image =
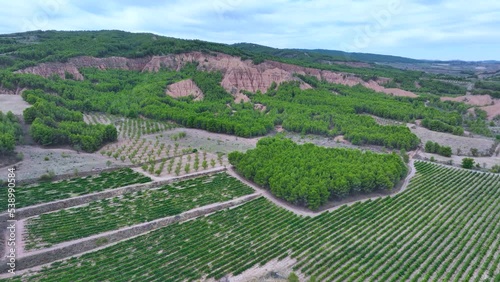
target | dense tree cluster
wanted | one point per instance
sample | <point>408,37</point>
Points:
<point>318,111</point>
<point>435,148</point>
<point>440,87</point>
<point>437,125</point>
<point>487,88</point>
<point>311,175</point>
<point>10,132</point>
<point>54,125</point>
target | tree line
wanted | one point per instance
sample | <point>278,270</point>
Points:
<point>11,133</point>
<point>435,148</point>
<point>53,125</point>
<point>310,175</point>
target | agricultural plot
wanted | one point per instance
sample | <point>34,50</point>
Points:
<point>131,209</point>
<point>52,191</point>
<point>160,159</point>
<point>129,128</point>
<point>444,228</point>
<point>138,151</point>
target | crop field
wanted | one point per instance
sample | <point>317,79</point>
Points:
<point>161,159</point>
<point>129,128</point>
<point>445,227</point>
<point>53,191</point>
<point>136,151</point>
<point>131,209</point>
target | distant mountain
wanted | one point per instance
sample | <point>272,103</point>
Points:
<point>321,54</point>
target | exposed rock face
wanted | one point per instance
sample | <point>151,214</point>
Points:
<point>476,100</point>
<point>184,88</point>
<point>10,91</point>
<point>237,74</point>
<point>72,66</point>
<point>49,69</point>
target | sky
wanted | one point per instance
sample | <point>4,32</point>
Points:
<point>421,29</point>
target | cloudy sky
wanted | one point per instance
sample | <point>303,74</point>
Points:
<point>423,29</point>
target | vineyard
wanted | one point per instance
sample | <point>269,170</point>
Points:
<point>162,160</point>
<point>129,128</point>
<point>445,227</point>
<point>143,206</point>
<point>52,191</point>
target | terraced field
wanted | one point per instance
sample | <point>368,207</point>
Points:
<point>445,227</point>
<point>130,209</point>
<point>53,191</point>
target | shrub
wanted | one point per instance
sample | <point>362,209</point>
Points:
<point>468,163</point>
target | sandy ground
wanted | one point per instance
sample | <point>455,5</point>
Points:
<point>13,103</point>
<point>61,161</point>
<point>185,88</point>
<point>455,142</point>
<point>493,110</point>
<point>275,270</point>
<point>457,160</point>
<point>476,100</point>
<point>207,141</point>
<point>486,102</point>
<point>337,142</point>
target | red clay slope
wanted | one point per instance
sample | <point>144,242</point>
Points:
<point>237,74</point>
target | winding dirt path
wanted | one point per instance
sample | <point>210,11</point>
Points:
<point>306,212</point>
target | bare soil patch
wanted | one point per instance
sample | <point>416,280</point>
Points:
<point>493,110</point>
<point>486,162</point>
<point>485,102</point>
<point>475,100</point>
<point>465,144</point>
<point>337,142</point>
<point>275,270</point>
<point>38,161</point>
<point>241,98</point>
<point>13,103</point>
<point>206,141</point>
<point>185,88</point>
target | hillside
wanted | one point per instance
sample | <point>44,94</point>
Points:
<point>323,55</point>
<point>22,50</point>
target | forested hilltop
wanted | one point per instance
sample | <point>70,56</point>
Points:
<point>310,175</point>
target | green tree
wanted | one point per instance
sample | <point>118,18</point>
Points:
<point>495,169</point>
<point>293,277</point>
<point>468,163</point>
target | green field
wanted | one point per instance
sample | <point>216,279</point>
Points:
<point>132,208</point>
<point>445,227</point>
<point>52,191</point>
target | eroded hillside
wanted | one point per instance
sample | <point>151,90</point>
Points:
<point>238,74</point>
